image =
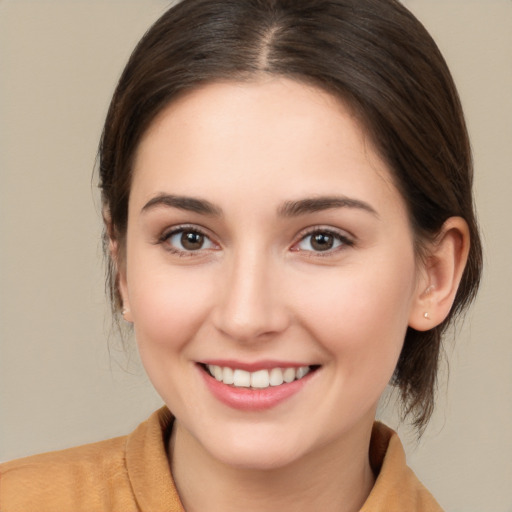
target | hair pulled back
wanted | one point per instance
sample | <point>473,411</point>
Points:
<point>372,54</point>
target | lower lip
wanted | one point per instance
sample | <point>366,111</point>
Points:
<point>250,399</point>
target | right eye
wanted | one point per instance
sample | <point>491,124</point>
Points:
<point>187,240</point>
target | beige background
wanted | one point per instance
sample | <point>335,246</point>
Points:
<point>64,380</point>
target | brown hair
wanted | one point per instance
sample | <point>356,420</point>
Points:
<point>375,56</point>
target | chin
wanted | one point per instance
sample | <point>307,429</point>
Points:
<point>258,448</point>
<point>256,458</point>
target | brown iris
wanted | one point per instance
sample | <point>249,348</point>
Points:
<point>192,241</point>
<point>322,241</point>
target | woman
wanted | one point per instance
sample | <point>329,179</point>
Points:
<point>287,199</point>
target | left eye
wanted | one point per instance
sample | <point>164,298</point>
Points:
<point>321,241</point>
<point>186,240</point>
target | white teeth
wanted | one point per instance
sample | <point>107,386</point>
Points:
<point>241,379</point>
<point>302,371</point>
<point>228,377</point>
<point>217,373</point>
<point>260,379</point>
<point>276,377</point>
<point>289,375</point>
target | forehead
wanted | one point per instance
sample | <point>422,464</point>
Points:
<point>274,137</point>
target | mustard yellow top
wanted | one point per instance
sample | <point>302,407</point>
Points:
<point>131,474</point>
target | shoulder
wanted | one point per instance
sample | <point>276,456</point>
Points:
<point>125,474</point>
<point>83,477</point>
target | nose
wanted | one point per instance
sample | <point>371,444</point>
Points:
<point>249,306</point>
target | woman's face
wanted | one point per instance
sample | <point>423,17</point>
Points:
<point>265,241</point>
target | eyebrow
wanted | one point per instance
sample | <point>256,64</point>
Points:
<point>316,204</point>
<point>288,209</point>
<point>190,204</point>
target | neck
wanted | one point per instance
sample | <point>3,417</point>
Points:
<point>337,477</point>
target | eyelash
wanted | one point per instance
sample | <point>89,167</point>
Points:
<point>166,236</point>
<point>344,241</point>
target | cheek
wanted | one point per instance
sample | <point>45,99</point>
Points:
<point>168,307</point>
<point>360,315</point>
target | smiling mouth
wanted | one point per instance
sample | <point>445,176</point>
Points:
<point>260,379</point>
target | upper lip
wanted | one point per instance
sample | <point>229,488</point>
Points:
<point>253,366</point>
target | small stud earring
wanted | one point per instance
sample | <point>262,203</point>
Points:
<point>124,312</point>
<point>426,315</point>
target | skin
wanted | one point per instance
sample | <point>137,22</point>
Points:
<point>258,290</point>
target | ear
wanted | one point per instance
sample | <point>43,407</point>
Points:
<point>119,268</point>
<point>441,273</point>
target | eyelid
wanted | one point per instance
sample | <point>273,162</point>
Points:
<point>172,230</point>
<point>169,232</point>
<point>346,238</point>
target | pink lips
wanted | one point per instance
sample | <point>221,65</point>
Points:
<point>249,399</point>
